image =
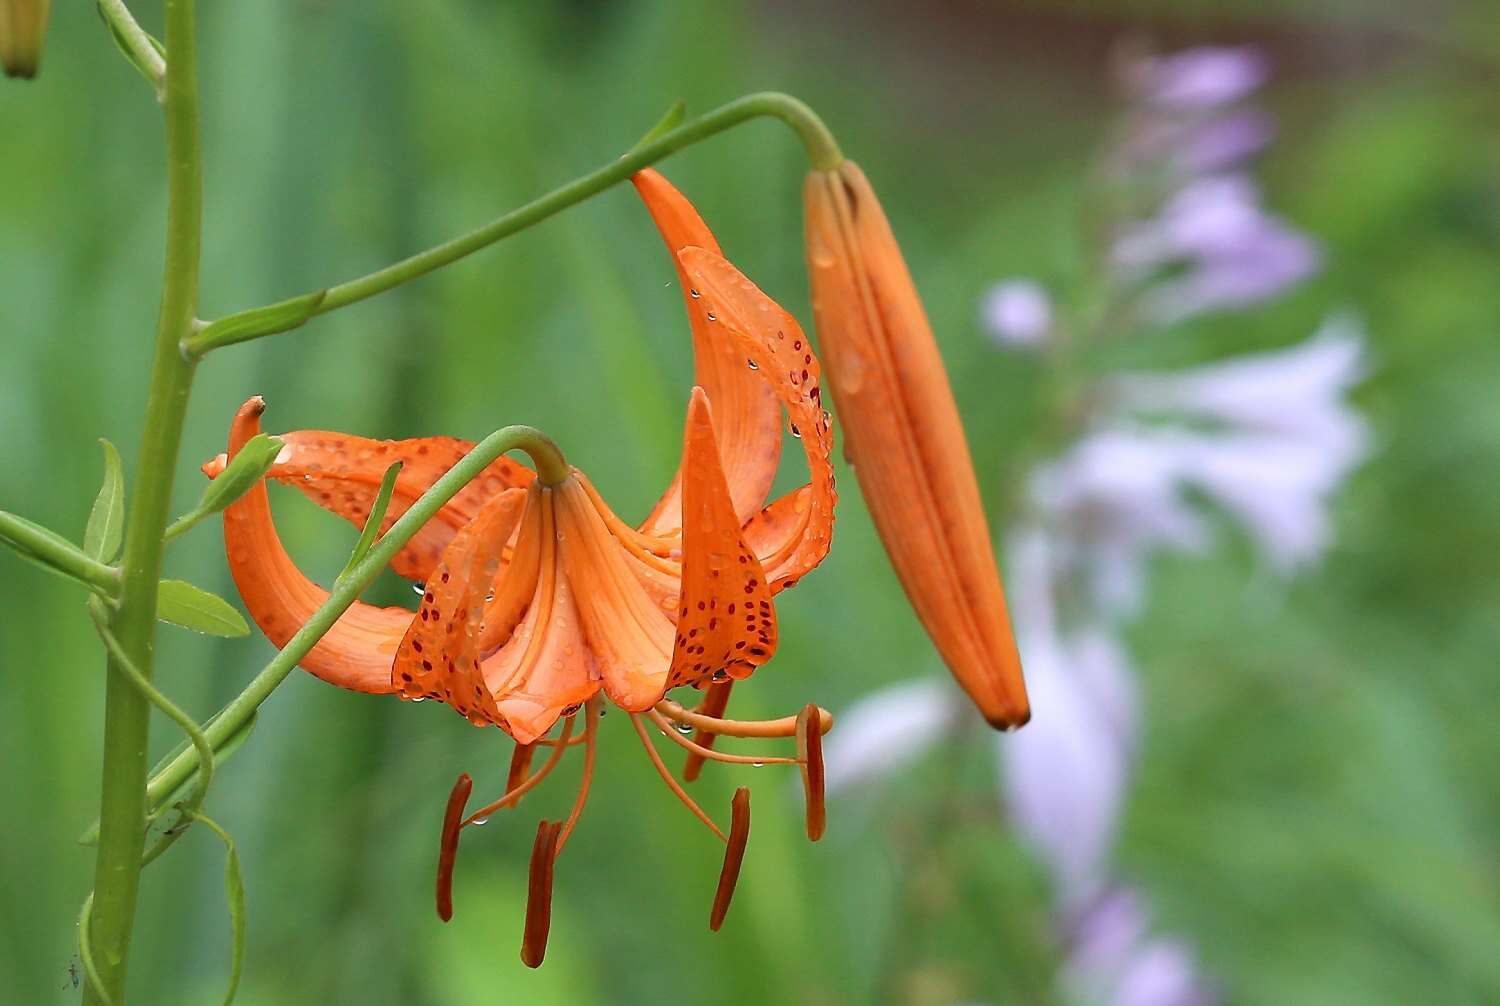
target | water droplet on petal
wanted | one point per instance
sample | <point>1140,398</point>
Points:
<point>419,588</point>
<point>796,432</point>
<point>753,365</point>
<point>419,698</point>
<point>712,316</point>
<point>694,294</point>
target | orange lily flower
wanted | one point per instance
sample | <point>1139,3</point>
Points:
<point>538,598</point>
<point>906,442</point>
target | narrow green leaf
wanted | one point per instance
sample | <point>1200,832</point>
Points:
<point>101,538</point>
<point>282,316</point>
<point>234,894</point>
<point>181,603</point>
<point>373,522</point>
<point>668,122</point>
<point>249,466</point>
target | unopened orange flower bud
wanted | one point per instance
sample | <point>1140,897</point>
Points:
<point>903,435</point>
<point>23,26</point>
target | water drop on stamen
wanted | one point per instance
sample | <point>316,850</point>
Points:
<point>757,764</point>
<point>479,822</point>
<point>684,728</point>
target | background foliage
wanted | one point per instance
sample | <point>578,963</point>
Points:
<point>1318,805</point>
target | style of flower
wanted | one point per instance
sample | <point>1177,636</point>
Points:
<point>903,434</point>
<point>539,601</point>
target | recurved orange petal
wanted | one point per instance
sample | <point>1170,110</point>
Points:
<point>342,473</point>
<point>794,533</point>
<point>745,413</point>
<point>356,653</point>
<point>726,625</point>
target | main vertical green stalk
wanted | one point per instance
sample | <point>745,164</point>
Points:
<point>122,808</point>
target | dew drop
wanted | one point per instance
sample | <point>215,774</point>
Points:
<point>480,821</point>
<point>757,764</point>
<point>489,597</point>
<point>753,365</point>
<point>419,588</point>
<point>796,432</point>
<point>684,728</point>
<point>712,316</point>
<point>694,294</point>
<point>419,698</point>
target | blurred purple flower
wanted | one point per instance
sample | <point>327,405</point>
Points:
<point>1113,959</point>
<point>1231,253</point>
<point>1220,143</point>
<point>1201,78</point>
<point>1017,312</point>
<point>887,730</point>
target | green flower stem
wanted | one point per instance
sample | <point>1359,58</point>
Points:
<point>137,44</point>
<point>822,151</point>
<point>122,807</point>
<point>57,553</point>
<point>237,713</point>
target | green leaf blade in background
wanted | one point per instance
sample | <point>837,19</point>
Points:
<point>102,535</point>
<point>181,603</point>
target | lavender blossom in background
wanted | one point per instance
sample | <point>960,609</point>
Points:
<point>1017,312</point>
<point>1198,79</point>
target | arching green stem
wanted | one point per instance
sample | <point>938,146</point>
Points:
<point>822,151</point>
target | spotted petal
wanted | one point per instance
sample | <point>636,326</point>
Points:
<point>793,534</point>
<point>726,625</point>
<point>746,417</point>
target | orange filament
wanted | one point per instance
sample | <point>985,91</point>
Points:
<point>714,704</point>
<point>550,742</point>
<point>448,846</point>
<point>810,754</point>
<point>539,894</point>
<point>590,735</point>
<point>734,855</point>
<point>672,784</point>
<point>520,764</point>
<point>512,796</point>
<point>700,752</point>
<point>784,727</point>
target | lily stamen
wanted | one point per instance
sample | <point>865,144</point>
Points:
<point>810,754</point>
<point>672,783</point>
<point>734,855</point>
<point>590,736</point>
<point>786,726</point>
<point>699,751</point>
<point>448,845</point>
<point>715,701</point>
<point>539,894</point>
<point>513,795</point>
<point>520,764</point>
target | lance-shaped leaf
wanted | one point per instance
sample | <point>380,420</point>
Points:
<point>101,537</point>
<point>181,603</point>
<point>244,470</point>
<point>234,893</point>
<point>375,521</point>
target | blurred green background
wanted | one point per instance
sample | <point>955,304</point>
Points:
<point>1318,807</point>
